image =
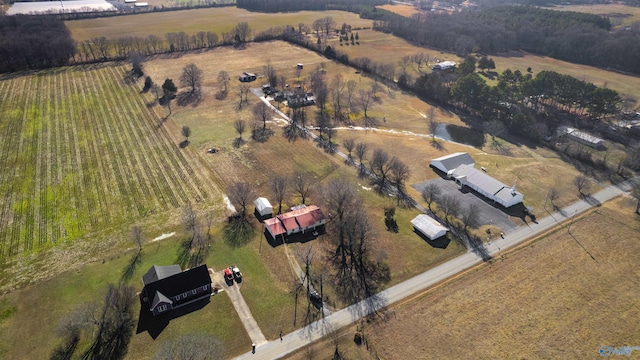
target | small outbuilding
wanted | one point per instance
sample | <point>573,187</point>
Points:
<point>581,137</point>
<point>449,162</point>
<point>247,77</point>
<point>445,65</point>
<point>428,226</point>
<point>263,206</point>
<point>300,66</point>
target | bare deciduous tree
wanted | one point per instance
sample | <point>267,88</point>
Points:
<point>398,173</point>
<point>241,195</point>
<point>261,111</point>
<point>191,77</point>
<point>358,271</point>
<point>223,78</point>
<point>379,165</point>
<point>349,144</point>
<point>430,193</point>
<point>270,73</point>
<point>186,132</point>
<point>365,97</point>
<point>361,153</point>
<point>302,185</point>
<point>241,33</point>
<point>471,216</point>
<point>278,186</point>
<point>450,205</point>
<point>433,123</point>
<point>240,127</point>
<point>582,184</point>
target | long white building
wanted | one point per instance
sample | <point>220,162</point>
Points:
<point>487,186</point>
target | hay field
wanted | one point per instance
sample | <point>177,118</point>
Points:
<point>217,20</point>
<point>400,9</point>
<point>548,299</point>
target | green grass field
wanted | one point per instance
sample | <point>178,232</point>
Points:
<point>82,154</point>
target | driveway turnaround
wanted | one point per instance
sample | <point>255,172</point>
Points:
<point>293,341</point>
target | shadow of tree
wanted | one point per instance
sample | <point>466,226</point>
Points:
<point>221,95</point>
<point>132,265</point>
<point>238,232</point>
<point>186,98</point>
<point>237,142</point>
<point>261,134</point>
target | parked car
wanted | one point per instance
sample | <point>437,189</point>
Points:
<point>236,272</point>
<point>316,299</point>
<point>228,274</point>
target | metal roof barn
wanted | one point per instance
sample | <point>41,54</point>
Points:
<point>58,7</point>
<point>449,162</point>
<point>429,226</point>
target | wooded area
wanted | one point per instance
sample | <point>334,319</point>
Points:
<point>29,42</point>
<point>575,37</point>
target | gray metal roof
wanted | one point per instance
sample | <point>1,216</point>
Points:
<point>483,181</point>
<point>160,272</point>
<point>454,160</point>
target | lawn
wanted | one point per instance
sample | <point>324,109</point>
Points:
<point>547,299</point>
<point>217,20</point>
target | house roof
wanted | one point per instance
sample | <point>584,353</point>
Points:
<point>158,299</point>
<point>428,226</point>
<point>299,218</point>
<point>179,283</point>
<point>485,182</point>
<point>275,226</point>
<point>454,160</point>
<point>160,272</point>
<point>310,218</point>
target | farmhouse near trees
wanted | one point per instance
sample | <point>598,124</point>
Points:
<point>300,220</point>
<point>168,287</point>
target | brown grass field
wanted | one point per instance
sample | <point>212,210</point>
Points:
<point>217,20</point>
<point>212,124</point>
<point>400,9</point>
<point>620,15</point>
<point>547,299</point>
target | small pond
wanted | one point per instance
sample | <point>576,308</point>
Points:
<point>461,135</point>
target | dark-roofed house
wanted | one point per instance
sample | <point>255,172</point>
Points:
<point>486,185</point>
<point>168,287</point>
<point>449,162</point>
<point>299,220</point>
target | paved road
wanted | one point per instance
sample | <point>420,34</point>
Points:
<point>293,341</point>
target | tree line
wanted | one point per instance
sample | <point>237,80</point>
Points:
<point>33,42</point>
<point>299,5</point>
<point>570,36</point>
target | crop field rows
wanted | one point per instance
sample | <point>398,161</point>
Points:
<point>81,152</point>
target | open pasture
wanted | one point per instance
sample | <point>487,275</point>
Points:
<point>217,20</point>
<point>81,153</point>
<point>400,9</point>
<point>548,299</point>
